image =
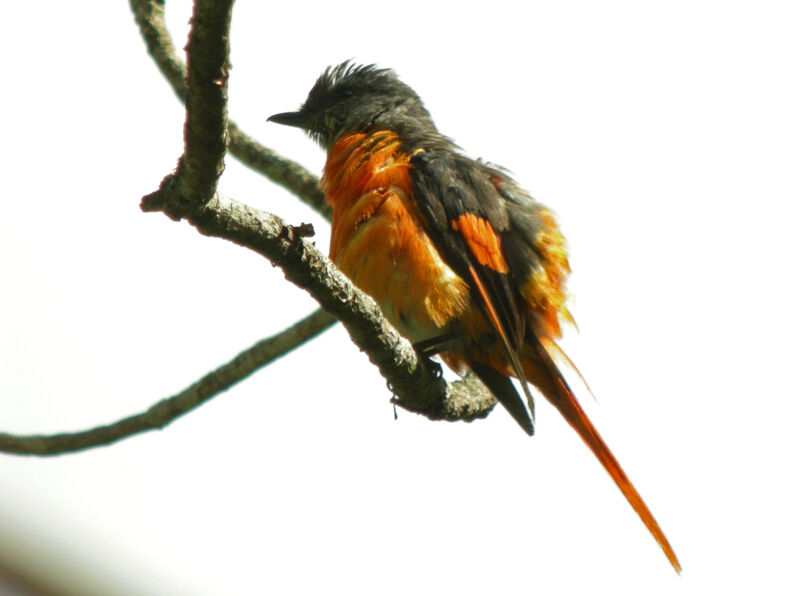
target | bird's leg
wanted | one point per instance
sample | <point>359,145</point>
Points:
<point>425,349</point>
<point>434,345</point>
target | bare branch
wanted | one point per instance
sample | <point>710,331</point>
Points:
<point>205,130</point>
<point>150,18</point>
<point>416,386</point>
<point>167,410</point>
<point>467,399</point>
<point>190,193</point>
<point>285,172</point>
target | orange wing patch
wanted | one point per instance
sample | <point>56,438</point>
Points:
<point>482,241</point>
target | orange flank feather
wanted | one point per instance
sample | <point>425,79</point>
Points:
<point>545,289</point>
<point>482,241</point>
<point>378,240</point>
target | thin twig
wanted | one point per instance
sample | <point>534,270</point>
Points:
<point>167,410</point>
<point>149,16</point>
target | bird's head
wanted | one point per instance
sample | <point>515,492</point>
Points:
<point>358,98</point>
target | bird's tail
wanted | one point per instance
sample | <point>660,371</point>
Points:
<point>541,370</point>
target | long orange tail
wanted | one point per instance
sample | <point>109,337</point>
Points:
<point>542,371</point>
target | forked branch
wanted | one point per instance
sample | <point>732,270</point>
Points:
<point>190,193</point>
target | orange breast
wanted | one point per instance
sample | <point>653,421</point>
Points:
<point>377,237</point>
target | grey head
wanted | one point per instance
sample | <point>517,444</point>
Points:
<point>358,98</point>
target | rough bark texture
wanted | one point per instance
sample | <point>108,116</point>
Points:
<point>284,172</point>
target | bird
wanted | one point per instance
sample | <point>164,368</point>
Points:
<point>460,259</point>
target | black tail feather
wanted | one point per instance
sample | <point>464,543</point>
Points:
<point>505,392</point>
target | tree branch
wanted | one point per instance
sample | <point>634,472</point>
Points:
<point>167,410</point>
<point>149,16</point>
<point>190,193</point>
<point>416,386</point>
<point>284,172</point>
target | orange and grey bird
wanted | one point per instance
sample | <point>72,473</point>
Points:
<point>460,259</point>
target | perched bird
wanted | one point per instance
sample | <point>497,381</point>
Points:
<point>460,259</point>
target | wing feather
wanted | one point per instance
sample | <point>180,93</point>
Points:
<point>466,218</point>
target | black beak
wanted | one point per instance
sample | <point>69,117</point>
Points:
<point>289,119</point>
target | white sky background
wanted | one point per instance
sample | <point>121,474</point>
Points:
<point>666,139</point>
